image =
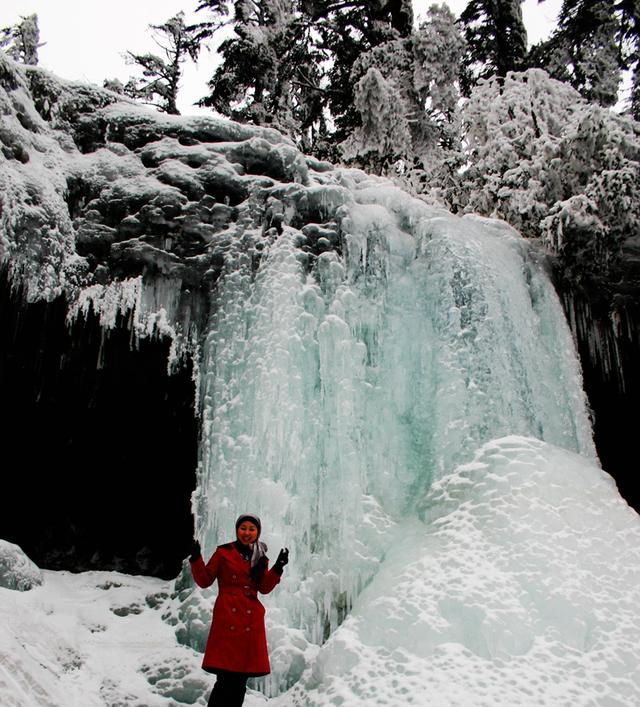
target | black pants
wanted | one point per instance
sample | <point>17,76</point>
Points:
<point>229,690</point>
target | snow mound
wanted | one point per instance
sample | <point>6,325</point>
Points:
<point>17,571</point>
<point>522,587</point>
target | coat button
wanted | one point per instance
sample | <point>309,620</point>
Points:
<point>248,611</point>
<point>247,629</point>
<point>233,576</point>
<point>231,628</point>
<point>246,586</point>
<point>234,609</point>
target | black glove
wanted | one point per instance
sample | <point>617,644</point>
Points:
<point>195,551</point>
<point>283,559</point>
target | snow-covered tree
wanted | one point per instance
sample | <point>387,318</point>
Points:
<point>266,67</point>
<point>586,50</point>
<point>634,99</point>
<point>289,62</point>
<point>383,137</point>
<point>496,40</point>
<point>419,73</point>
<point>22,41</point>
<point>347,30</point>
<point>601,169</point>
<point>553,165</point>
<point>270,71</point>
<point>162,74</point>
<point>438,49</point>
<point>629,42</point>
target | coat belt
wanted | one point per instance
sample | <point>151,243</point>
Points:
<point>239,593</point>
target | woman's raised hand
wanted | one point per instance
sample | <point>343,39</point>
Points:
<point>283,559</point>
<point>195,551</point>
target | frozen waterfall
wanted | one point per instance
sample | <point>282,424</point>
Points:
<point>335,393</point>
<point>393,389</point>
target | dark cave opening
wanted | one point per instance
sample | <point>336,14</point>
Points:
<point>615,411</point>
<point>100,443</point>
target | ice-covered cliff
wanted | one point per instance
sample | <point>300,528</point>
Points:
<point>395,390</point>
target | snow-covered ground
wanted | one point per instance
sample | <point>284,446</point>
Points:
<point>521,587</point>
<point>95,638</point>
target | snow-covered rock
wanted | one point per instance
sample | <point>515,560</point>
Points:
<point>101,198</point>
<point>17,571</point>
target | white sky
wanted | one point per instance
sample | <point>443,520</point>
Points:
<point>85,39</point>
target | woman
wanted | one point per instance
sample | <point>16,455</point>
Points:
<point>237,644</point>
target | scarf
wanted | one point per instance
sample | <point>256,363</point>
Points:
<point>256,554</point>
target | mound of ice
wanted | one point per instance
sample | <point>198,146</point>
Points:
<point>17,571</point>
<point>522,587</point>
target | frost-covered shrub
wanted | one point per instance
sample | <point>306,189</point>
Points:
<point>61,102</point>
<point>17,571</point>
<point>552,165</point>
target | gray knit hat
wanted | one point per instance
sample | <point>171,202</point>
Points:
<point>251,517</point>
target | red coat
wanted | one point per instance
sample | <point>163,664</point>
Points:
<point>237,639</point>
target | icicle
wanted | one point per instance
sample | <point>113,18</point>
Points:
<point>153,308</point>
<point>603,337</point>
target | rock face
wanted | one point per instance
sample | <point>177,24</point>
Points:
<point>17,571</point>
<point>97,190</point>
<point>604,317</point>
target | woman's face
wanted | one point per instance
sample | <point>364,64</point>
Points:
<point>247,532</point>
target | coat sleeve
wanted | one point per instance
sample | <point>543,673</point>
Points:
<point>268,581</point>
<point>205,575</point>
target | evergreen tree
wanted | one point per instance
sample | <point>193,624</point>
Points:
<point>587,48</point>
<point>22,41</point>
<point>634,99</point>
<point>496,40</point>
<point>383,81</point>
<point>270,70</point>
<point>629,42</point>
<point>347,30</point>
<point>420,73</point>
<point>553,165</point>
<point>383,137</point>
<point>161,81</point>
<point>289,63</point>
<point>438,50</point>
